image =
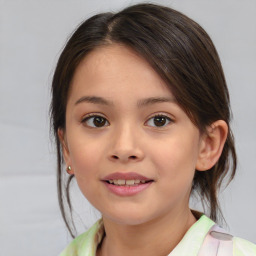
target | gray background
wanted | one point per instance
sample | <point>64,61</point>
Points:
<point>32,34</point>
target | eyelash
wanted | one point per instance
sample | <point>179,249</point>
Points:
<point>91,116</point>
<point>167,119</point>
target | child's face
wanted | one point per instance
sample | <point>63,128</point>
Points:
<point>115,84</point>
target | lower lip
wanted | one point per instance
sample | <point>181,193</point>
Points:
<point>127,190</point>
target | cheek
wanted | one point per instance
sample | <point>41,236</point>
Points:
<point>175,168</point>
<point>176,159</point>
<point>84,157</point>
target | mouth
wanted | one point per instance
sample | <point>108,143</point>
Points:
<point>126,179</point>
<point>126,184</point>
<point>121,182</point>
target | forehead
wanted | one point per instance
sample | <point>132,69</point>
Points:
<point>117,68</point>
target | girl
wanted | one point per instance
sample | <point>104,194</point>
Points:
<point>140,112</point>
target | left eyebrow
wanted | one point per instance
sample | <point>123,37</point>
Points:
<point>154,100</point>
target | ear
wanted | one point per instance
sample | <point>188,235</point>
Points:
<point>211,145</point>
<point>65,150</point>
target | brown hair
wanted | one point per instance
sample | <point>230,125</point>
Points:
<point>182,53</point>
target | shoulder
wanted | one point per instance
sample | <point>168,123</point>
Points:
<point>230,245</point>
<point>221,243</point>
<point>242,247</point>
<point>86,243</point>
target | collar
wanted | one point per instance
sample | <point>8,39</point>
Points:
<point>192,241</point>
<point>87,243</point>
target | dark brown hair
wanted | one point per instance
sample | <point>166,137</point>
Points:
<point>182,53</point>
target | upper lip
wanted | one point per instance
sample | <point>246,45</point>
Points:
<point>125,176</point>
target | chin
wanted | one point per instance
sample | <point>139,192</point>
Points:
<point>127,217</point>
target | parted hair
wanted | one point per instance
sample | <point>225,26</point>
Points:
<point>182,54</point>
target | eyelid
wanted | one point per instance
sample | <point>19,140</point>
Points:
<point>88,116</point>
<point>161,114</point>
<point>91,115</point>
<point>167,116</point>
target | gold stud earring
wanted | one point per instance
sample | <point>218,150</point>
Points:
<point>69,169</point>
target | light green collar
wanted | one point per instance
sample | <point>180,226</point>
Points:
<point>193,239</point>
<point>87,243</point>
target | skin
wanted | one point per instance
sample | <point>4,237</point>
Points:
<point>130,141</point>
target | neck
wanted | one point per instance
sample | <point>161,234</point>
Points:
<point>160,236</point>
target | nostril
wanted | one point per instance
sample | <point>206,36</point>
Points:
<point>130,157</point>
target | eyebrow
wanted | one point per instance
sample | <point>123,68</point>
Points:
<point>94,100</point>
<point>141,103</point>
<point>154,100</point>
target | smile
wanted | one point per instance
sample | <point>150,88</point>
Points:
<point>126,182</point>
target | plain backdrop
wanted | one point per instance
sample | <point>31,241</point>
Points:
<point>32,34</point>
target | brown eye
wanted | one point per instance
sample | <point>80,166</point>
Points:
<point>95,121</point>
<point>159,121</point>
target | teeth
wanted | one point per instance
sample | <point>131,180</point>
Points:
<point>130,182</point>
<point>126,182</point>
<point>120,182</point>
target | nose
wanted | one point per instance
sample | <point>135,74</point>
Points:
<point>125,146</point>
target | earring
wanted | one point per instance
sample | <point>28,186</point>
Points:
<point>69,169</point>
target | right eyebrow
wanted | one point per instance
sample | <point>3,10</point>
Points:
<point>95,100</point>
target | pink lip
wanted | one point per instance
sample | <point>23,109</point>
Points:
<point>125,176</point>
<point>126,190</point>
